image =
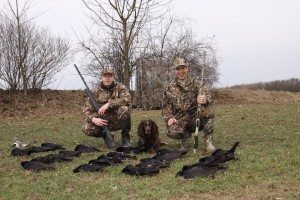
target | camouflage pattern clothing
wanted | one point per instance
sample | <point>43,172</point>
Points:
<point>180,102</point>
<point>119,100</point>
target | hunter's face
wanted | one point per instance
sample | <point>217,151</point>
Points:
<point>181,72</point>
<point>107,79</point>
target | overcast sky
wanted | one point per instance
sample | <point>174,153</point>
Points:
<point>257,40</point>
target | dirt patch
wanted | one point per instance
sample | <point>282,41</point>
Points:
<point>233,96</point>
<point>69,102</point>
<point>41,103</point>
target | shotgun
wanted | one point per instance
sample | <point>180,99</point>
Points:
<point>110,142</point>
<point>201,91</point>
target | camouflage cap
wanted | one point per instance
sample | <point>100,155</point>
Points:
<point>179,62</point>
<point>107,70</point>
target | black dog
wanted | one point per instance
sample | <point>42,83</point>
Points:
<point>148,136</point>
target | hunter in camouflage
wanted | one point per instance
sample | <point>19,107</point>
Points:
<point>114,100</point>
<point>180,107</point>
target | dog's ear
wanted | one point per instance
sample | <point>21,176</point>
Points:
<point>141,128</point>
<point>154,127</point>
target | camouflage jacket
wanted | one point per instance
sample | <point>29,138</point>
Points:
<point>182,99</point>
<point>117,95</point>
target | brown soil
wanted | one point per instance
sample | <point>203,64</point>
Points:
<point>52,102</point>
<point>41,103</point>
<point>235,96</point>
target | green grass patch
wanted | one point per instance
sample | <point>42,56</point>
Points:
<point>268,165</point>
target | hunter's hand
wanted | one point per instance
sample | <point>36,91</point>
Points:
<point>201,99</point>
<point>99,122</point>
<point>172,121</point>
<point>103,108</point>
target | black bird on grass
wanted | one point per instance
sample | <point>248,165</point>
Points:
<point>199,170</point>
<point>111,159</point>
<point>86,149</point>
<point>30,150</point>
<point>53,146</point>
<point>169,155</point>
<point>20,152</point>
<point>102,162</point>
<point>36,166</point>
<point>88,168</point>
<point>121,155</point>
<point>36,149</point>
<point>51,158</point>
<point>151,161</point>
<point>135,150</point>
<point>70,153</point>
<point>221,155</point>
<point>141,170</point>
<point>207,166</point>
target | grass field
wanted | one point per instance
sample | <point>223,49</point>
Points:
<point>268,165</point>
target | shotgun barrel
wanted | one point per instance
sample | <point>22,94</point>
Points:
<point>201,91</point>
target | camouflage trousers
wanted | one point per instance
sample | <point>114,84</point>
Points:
<point>113,116</point>
<point>187,124</point>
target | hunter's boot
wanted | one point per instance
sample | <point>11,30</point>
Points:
<point>108,138</point>
<point>208,146</point>
<point>125,129</point>
<point>109,141</point>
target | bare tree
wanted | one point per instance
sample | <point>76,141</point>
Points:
<point>143,47</point>
<point>30,56</point>
<point>172,38</point>
<point>120,22</point>
<point>8,66</point>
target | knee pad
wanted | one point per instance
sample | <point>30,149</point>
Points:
<point>175,132</point>
<point>123,113</point>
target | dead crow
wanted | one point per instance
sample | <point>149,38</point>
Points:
<point>135,150</point>
<point>102,162</point>
<point>53,146</point>
<point>141,171</point>
<point>88,168</point>
<point>36,149</point>
<point>86,149</point>
<point>111,159</point>
<point>208,165</point>
<point>30,150</point>
<point>221,155</point>
<point>36,166</point>
<point>51,158</point>
<point>68,153</point>
<point>199,170</point>
<point>169,155</point>
<point>171,151</point>
<point>150,161</point>
<point>20,152</point>
<point>121,155</point>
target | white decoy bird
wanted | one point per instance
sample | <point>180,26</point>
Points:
<point>19,145</point>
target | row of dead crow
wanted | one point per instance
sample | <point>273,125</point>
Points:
<point>205,167</point>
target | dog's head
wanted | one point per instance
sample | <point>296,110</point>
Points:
<point>147,128</point>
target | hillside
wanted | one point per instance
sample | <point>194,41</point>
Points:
<point>70,102</point>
